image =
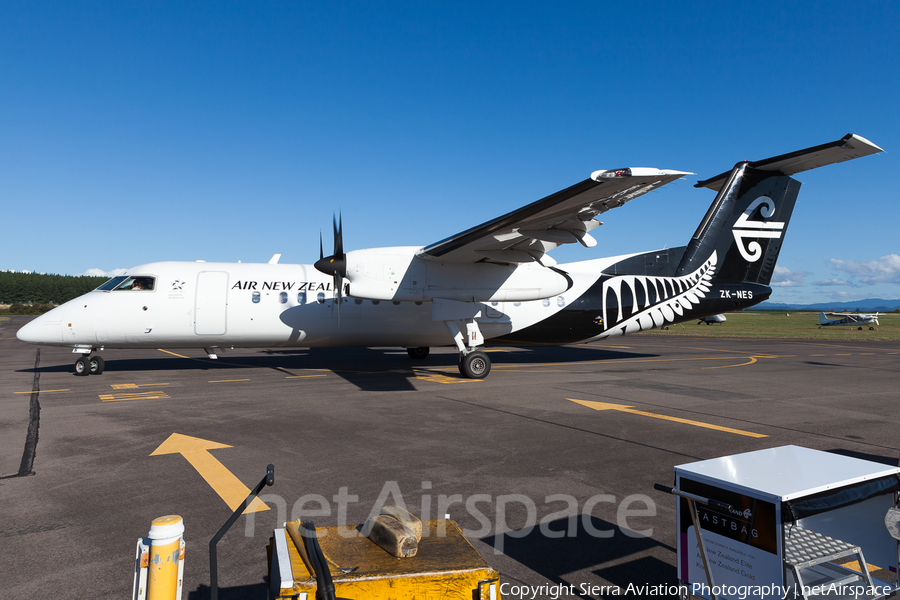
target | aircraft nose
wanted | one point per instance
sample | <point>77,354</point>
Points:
<point>42,330</point>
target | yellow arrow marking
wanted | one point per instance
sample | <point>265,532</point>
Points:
<point>628,409</point>
<point>172,353</point>
<point>222,481</point>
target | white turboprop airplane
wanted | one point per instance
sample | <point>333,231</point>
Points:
<point>494,282</point>
<point>849,319</point>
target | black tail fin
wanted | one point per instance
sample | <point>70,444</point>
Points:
<point>744,228</point>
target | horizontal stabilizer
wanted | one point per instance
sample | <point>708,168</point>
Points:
<point>848,147</point>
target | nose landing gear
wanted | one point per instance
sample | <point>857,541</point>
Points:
<point>89,365</point>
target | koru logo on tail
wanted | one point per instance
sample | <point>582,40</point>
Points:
<point>745,228</point>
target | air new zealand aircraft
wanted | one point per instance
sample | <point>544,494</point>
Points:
<point>492,284</point>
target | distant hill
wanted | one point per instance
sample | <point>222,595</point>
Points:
<point>868,305</point>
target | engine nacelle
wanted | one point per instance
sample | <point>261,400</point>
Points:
<point>398,274</point>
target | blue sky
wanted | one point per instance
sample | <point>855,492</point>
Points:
<point>134,132</point>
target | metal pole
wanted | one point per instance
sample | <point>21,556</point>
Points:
<point>691,498</point>
<point>269,479</point>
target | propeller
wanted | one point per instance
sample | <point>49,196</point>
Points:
<point>336,264</point>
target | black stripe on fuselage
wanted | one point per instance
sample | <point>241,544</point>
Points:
<point>582,318</point>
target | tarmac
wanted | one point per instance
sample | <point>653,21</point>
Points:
<point>550,491</point>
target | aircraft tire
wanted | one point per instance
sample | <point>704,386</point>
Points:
<point>82,367</point>
<point>419,353</point>
<point>97,364</point>
<point>475,365</point>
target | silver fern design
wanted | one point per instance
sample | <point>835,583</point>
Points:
<point>654,301</point>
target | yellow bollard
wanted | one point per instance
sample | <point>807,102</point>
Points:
<point>166,566</point>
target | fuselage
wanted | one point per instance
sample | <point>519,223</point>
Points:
<point>220,305</point>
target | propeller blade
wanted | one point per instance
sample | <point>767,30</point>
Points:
<point>338,237</point>
<point>321,251</point>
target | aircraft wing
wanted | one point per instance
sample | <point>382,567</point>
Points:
<point>526,234</point>
<point>848,147</point>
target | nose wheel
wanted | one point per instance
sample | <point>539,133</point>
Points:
<point>89,365</point>
<point>474,365</point>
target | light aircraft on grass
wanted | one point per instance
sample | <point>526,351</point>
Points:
<point>712,319</point>
<point>492,283</point>
<point>848,319</point>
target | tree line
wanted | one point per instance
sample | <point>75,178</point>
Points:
<point>30,289</point>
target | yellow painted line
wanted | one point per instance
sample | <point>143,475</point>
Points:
<point>628,409</point>
<point>640,360</point>
<point>843,354</point>
<point>219,478</point>
<point>132,386</point>
<point>749,362</point>
<point>302,376</point>
<point>137,396</point>
<point>228,380</point>
<point>853,565</point>
<point>172,353</point>
<point>445,379</point>
<point>43,391</point>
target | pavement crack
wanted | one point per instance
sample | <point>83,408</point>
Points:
<point>34,422</point>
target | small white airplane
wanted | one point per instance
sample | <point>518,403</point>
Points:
<point>848,319</point>
<point>494,282</point>
<point>720,318</point>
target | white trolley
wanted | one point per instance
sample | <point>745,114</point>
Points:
<point>789,522</point>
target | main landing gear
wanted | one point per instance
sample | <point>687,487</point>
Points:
<point>474,365</point>
<point>89,365</point>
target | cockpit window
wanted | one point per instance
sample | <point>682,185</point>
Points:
<point>137,283</point>
<point>112,283</point>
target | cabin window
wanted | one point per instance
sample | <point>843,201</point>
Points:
<point>357,301</point>
<point>136,283</point>
<point>301,297</point>
<point>517,304</point>
<point>255,297</point>
<point>282,297</point>
<point>560,301</point>
<point>320,297</point>
<point>376,302</point>
<point>546,302</point>
<point>112,283</point>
